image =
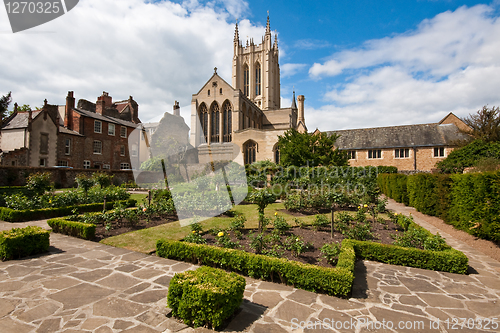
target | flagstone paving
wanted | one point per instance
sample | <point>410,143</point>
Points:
<point>82,286</point>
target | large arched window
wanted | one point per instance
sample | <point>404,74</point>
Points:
<point>257,79</point>
<point>203,116</point>
<point>246,80</point>
<point>227,121</point>
<point>250,152</point>
<point>215,115</point>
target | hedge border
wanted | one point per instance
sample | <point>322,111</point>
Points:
<point>22,242</point>
<point>336,281</point>
<point>72,228</point>
<point>331,281</point>
<point>12,215</point>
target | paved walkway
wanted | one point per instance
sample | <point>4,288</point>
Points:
<point>82,286</point>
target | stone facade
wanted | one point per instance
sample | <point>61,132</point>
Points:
<point>242,121</point>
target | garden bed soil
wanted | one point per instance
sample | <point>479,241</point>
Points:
<point>383,233</point>
<point>118,228</point>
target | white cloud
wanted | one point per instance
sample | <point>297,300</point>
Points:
<point>311,44</point>
<point>158,52</point>
<point>291,69</point>
<point>450,63</point>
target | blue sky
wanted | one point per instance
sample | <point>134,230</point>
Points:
<point>359,63</point>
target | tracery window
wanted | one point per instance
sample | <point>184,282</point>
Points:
<point>215,115</point>
<point>227,121</point>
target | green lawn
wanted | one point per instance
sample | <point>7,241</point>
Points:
<point>139,197</point>
<point>145,240</point>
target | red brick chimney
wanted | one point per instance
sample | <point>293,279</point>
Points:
<point>68,113</point>
<point>103,102</point>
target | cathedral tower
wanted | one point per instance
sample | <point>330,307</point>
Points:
<point>256,70</point>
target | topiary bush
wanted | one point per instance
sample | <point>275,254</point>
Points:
<point>206,296</point>
<point>22,242</point>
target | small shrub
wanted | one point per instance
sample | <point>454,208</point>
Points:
<point>72,228</point>
<point>22,242</point>
<point>320,221</point>
<point>330,252</point>
<point>342,222</point>
<point>257,242</point>
<point>301,224</point>
<point>206,296</point>
<point>84,182</point>
<point>296,245</point>
<point>359,231</point>
<point>280,224</point>
<point>223,240</point>
<point>102,178</point>
<point>39,182</point>
<point>238,223</point>
<point>195,237</point>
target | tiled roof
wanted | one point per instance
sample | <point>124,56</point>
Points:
<point>98,116</point>
<point>20,120</point>
<point>424,135</point>
<point>65,130</point>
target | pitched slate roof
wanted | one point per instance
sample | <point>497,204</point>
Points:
<point>424,135</point>
<point>65,130</point>
<point>98,116</point>
<point>20,120</point>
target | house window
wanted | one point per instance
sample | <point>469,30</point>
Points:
<point>111,129</point>
<point>62,163</point>
<point>402,153</point>
<point>105,166</point>
<point>375,153</point>
<point>13,163</point>
<point>123,132</point>
<point>134,150</point>
<point>351,154</point>
<point>122,150</point>
<point>43,162</point>
<point>44,144</point>
<point>124,166</point>
<point>97,147</point>
<point>86,164</point>
<point>67,146</point>
<point>439,152</point>
<point>97,126</point>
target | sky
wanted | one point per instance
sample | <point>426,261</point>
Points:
<point>359,63</point>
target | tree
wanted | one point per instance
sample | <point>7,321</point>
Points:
<point>301,149</point>
<point>470,155</point>
<point>4,105</point>
<point>484,124</point>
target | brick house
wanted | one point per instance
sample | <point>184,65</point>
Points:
<point>30,138</point>
<point>409,147</point>
<point>99,136</point>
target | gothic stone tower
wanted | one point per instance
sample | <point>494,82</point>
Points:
<point>256,70</point>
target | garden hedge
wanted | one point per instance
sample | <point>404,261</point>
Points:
<point>22,242</point>
<point>470,202</point>
<point>450,260</point>
<point>332,281</point>
<point>206,296</point>
<point>12,215</point>
<point>72,228</point>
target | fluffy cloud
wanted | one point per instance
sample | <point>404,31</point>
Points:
<point>156,51</point>
<point>450,63</point>
<point>291,69</point>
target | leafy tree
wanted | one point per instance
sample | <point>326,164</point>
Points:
<point>4,105</point>
<point>301,149</point>
<point>23,108</point>
<point>39,182</point>
<point>469,156</point>
<point>484,124</point>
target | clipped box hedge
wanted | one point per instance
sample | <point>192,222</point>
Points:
<point>12,215</point>
<point>22,242</point>
<point>332,281</point>
<point>72,228</point>
<point>206,296</point>
<point>450,260</point>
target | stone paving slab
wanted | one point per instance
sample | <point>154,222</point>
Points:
<point>82,286</point>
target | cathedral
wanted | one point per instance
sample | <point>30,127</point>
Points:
<point>246,113</point>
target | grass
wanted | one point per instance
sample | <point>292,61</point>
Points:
<point>145,240</point>
<point>139,197</point>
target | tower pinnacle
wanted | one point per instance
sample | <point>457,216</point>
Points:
<point>236,34</point>
<point>268,26</point>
